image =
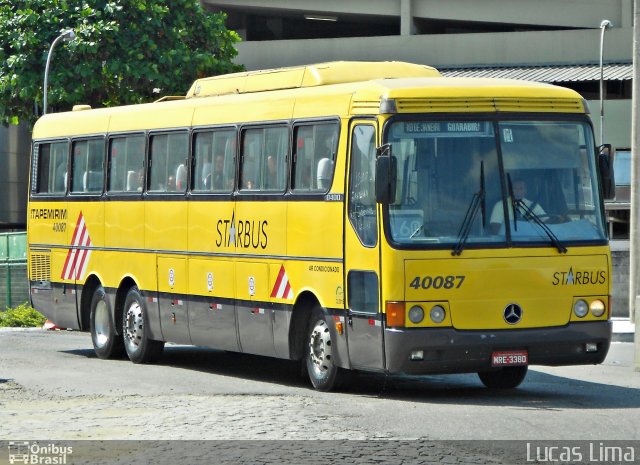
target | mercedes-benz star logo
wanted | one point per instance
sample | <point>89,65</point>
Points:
<point>512,314</point>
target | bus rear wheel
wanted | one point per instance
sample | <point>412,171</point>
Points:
<point>323,373</point>
<point>135,329</point>
<point>106,343</point>
<point>504,378</point>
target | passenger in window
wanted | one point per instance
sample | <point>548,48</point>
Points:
<point>61,177</point>
<point>304,179</point>
<point>171,183</point>
<point>140,179</point>
<point>272,174</point>
<point>218,173</point>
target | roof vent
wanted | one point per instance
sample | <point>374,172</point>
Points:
<point>81,107</point>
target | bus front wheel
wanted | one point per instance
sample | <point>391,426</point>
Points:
<point>323,373</point>
<point>135,329</point>
<point>504,378</point>
<point>106,343</point>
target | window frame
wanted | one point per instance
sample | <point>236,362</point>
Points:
<point>36,163</point>
<point>148,166</point>
<point>109,178</point>
<point>262,158</point>
<point>194,160</point>
<point>294,156</point>
<point>84,193</point>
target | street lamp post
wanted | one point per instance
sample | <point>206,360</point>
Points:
<point>67,34</point>
<point>604,25</point>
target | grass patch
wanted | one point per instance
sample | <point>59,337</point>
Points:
<point>22,316</point>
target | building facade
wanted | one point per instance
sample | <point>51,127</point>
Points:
<point>546,40</point>
<point>553,41</point>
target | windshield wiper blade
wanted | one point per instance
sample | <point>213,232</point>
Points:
<point>529,214</point>
<point>477,202</point>
<point>418,229</point>
<point>512,202</point>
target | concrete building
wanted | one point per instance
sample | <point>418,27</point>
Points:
<point>14,166</point>
<point>546,40</point>
<point>554,41</point>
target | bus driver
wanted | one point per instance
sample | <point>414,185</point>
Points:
<point>522,211</point>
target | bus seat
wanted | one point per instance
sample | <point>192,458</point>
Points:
<point>325,170</point>
<point>181,177</point>
<point>92,181</point>
<point>132,180</point>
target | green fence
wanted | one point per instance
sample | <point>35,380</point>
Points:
<point>14,286</point>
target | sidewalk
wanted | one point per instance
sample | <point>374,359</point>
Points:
<point>623,330</point>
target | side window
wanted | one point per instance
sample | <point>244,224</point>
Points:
<point>362,202</point>
<point>314,159</point>
<point>214,169</point>
<point>168,162</point>
<point>51,163</point>
<point>264,159</point>
<point>362,291</point>
<point>126,164</point>
<point>87,166</point>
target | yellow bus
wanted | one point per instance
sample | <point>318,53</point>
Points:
<point>350,215</point>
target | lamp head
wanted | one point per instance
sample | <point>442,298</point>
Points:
<point>605,24</point>
<point>68,34</point>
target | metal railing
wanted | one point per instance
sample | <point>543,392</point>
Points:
<point>14,285</point>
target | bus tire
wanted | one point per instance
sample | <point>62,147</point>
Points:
<point>106,343</point>
<point>135,330</point>
<point>323,373</point>
<point>504,378</point>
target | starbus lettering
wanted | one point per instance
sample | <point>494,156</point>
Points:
<point>244,234</point>
<point>579,278</point>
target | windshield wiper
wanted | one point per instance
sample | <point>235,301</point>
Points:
<point>529,214</point>
<point>418,229</point>
<point>477,202</point>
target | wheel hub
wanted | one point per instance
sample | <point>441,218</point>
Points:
<point>133,324</point>
<point>101,324</point>
<point>320,348</point>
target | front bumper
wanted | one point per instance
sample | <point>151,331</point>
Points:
<point>447,350</point>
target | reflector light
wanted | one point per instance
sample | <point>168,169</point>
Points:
<point>395,314</point>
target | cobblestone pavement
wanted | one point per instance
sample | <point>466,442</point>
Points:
<point>252,429</point>
<point>201,406</point>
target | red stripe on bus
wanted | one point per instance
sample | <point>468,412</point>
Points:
<point>274,292</point>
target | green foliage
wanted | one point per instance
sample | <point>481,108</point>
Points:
<point>123,50</point>
<point>22,316</point>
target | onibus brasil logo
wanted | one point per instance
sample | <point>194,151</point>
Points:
<point>35,453</point>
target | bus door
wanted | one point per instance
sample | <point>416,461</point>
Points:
<point>362,258</point>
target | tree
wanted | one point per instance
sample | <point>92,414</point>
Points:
<point>125,51</point>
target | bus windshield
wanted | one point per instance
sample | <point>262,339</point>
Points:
<point>458,180</point>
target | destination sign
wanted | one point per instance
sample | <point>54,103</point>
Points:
<point>421,129</point>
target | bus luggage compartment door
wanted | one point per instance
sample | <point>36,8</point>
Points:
<point>255,319</point>
<point>172,289</point>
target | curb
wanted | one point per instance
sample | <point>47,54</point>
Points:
<point>7,330</point>
<point>622,337</point>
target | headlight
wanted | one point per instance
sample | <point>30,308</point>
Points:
<point>597,308</point>
<point>580,308</point>
<point>416,314</point>
<point>437,314</point>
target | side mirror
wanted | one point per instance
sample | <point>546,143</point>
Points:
<point>386,175</point>
<point>607,177</point>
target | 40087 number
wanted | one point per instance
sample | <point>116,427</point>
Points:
<point>437,282</point>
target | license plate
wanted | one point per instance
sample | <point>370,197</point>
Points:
<point>509,358</point>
